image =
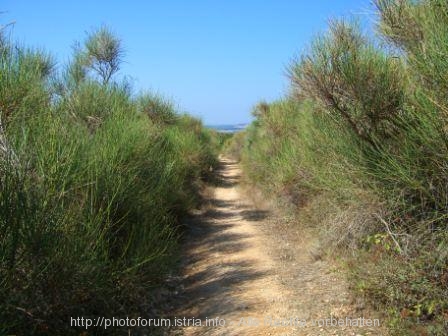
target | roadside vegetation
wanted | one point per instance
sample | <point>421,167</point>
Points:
<point>358,148</point>
<point>93,180</point>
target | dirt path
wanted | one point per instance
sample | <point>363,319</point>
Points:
<point>255,273</point>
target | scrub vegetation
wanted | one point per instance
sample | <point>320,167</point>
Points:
<point>358,148</point>
<point>93,180</point>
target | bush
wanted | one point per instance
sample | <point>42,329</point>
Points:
<point>233,144</point>
<point>360,147</point>
<point>88,212</point>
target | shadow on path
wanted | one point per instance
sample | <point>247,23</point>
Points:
<point>214,277</point>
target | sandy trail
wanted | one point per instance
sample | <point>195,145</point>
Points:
<point>255,273</point>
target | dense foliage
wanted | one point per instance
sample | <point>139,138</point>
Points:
<point>93,179</point>
<point>360,147</point>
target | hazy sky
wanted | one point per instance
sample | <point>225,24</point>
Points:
<point>215,58</point>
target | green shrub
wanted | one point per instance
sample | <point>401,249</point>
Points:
<point>360,147</point>
<point>354,80</point>
<point>91,191</point>
<point>158,109</point>
<point>233,144</point>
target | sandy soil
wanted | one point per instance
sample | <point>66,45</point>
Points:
<point>254,271</point>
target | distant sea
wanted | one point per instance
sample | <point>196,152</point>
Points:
<point>228,128</point>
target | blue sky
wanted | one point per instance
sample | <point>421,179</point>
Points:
<point>215,58</point>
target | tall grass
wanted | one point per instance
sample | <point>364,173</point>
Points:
<point>360,148</point>
<point>92,188</point>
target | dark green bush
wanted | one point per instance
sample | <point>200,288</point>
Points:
<point>360,147</point>
<point>91,192</point>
